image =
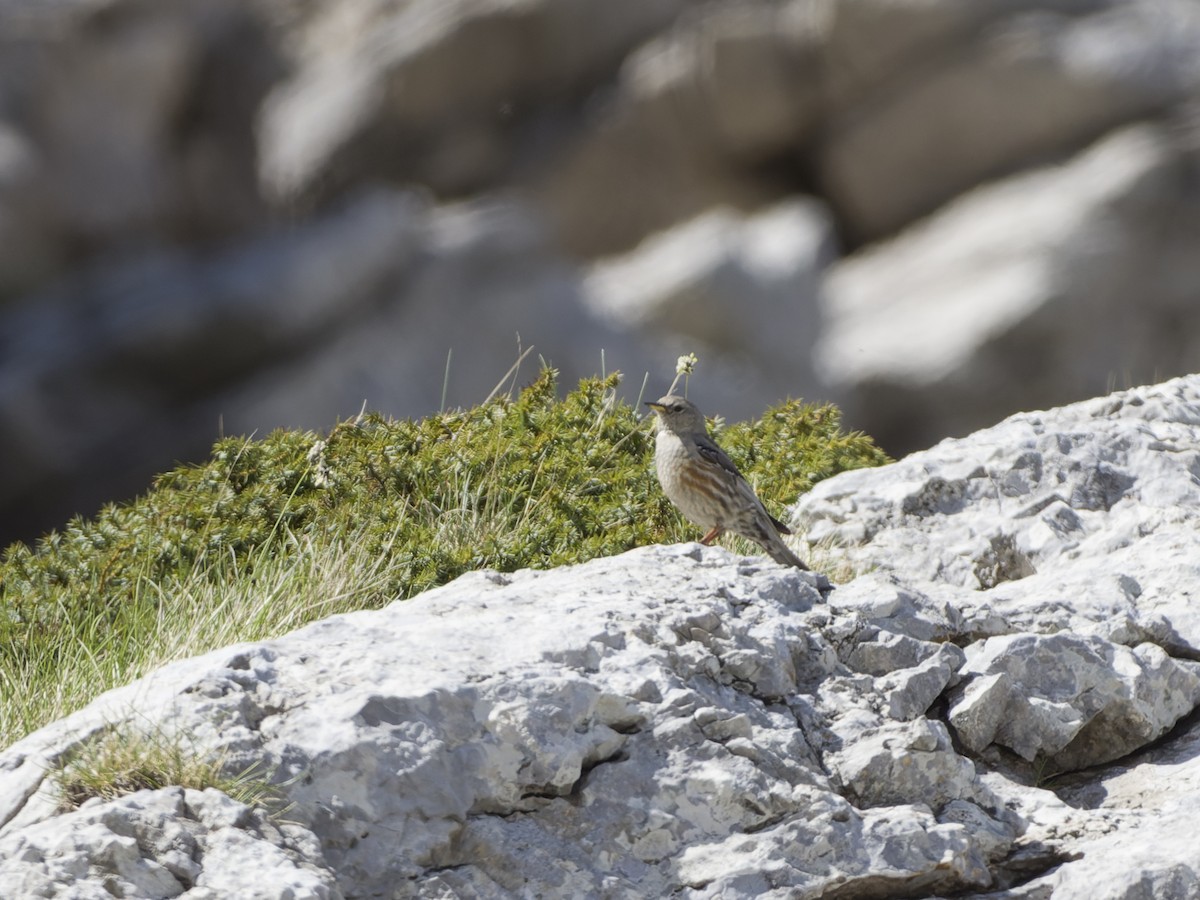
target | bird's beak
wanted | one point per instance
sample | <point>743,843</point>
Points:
<point>657,407</point>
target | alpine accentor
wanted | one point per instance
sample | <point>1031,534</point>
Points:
<point>706,486</point>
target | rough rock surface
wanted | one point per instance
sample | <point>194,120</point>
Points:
<point>1001,704</point>
<point>166,843</point>
<point>1058,548</point>
<point>159,157</point>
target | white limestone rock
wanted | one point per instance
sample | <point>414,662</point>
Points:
<point>912,762</point>
<point>679,720</point>
<point>1075,701</point>
<point>1058,549</point>
<point>1098,499</point>
<point>164,843</point>
<point>910,692</point>
<point>895,607</point>
<point>599,728</point>
<point>1150,849</point>
<point>887,651</point>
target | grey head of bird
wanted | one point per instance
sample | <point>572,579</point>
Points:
<point>678,415</point>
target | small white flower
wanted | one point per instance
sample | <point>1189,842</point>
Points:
<point>320,466</point>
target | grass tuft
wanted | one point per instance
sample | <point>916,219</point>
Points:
<point>122,761</point>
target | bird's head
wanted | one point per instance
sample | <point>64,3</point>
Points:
<point>678,414</point>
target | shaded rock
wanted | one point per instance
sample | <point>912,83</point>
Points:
<point>909,763</point>
<point>436,91</point>
<point>30,249</point>
<point>1074,701</point>
<point>65,398</point>
<point>910,692</point>
<point>133,133</point>
<point>908,148</point>
<point>1151,794</point>
<point>993,834</point>
<point>981,709</point>
<point>870,41</point>
<point>1021,286</point>
<point>731,85</point>
<point>888,651</point>
<point>1163,868</point>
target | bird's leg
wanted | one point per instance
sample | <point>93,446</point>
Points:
<point>713,534</point>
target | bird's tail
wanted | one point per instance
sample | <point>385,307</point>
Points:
<point>779,552</point>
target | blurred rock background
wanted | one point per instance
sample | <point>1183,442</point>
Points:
<point>224,216</point>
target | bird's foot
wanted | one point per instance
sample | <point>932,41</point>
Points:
<point>713,534</point>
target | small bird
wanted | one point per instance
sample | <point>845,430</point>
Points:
<point>706,486</point>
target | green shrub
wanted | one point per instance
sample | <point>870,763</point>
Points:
<point>520,481</point>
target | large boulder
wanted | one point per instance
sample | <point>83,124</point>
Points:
<point>1032,291</point>
<point>987,706</point>
<point>631,724</point>
<point>436,91</point>
<point>959,93</point>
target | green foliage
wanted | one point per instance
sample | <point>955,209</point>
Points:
<point>794,446</point>
<point>519,481</point>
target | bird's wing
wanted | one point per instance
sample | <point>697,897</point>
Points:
<point>714,454</point>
